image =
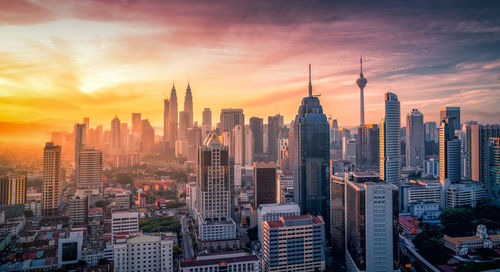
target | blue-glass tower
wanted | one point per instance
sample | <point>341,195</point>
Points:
<point>311,155</point>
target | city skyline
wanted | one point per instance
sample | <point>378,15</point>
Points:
<point>127,55</point>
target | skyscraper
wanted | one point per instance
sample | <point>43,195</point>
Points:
<point>311,141</point>
<point>361,81</point>
<point>206,125</point>
<point>476,147</point>
<point>147,137</point>
<point>80,141</point>
<point>173,118</point>
<point>371,225</point>
<point>188,106</point>
<point>51,179</point>
<point>229,118</point>
<point>430,131</point>
<point>449,154</point>
<point>89,170</point>
<point>12,190</point>
<point>415,139</point>
<point>115,135</point>
<point>493,186</point>
<point>183,124</point>
<point>248,146</point>
<point>390,144</point>
<point>274,123</point>
<point>136,130</point>
<point>166,121</point>
<point>194,141</point>
<point>214,193</point>
<point>256,125</point>
<point>451,113</point>
<point>265,185</point>
<point>367,147</point>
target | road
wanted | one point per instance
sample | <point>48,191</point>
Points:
<point>187,247</point>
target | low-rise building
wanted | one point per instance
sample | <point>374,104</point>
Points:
<point>425,210</point>
<point>235,261</point>
<point>465,193</point>
<point>271,212</point>
<point>409,225</point>
<point>466,244</point>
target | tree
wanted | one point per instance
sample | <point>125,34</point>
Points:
<point>458,221</point>
<point>103,261</point>
<point>124,178</point>
<point>177,251</point>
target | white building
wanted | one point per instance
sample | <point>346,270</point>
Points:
<point>426,210</point>
<point>235,261</point>
<point>69,250</point>
<point>271,212</point>
<point>419,191</point>
<point>122,201</point>
<point>415,139</point>
<point>191,197</point>
<point>465,193</point>
<point>124,221</point>
<point>285,188</point>
<point>144,253</point>
<point>431,168</point>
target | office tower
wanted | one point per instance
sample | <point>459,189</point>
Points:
<point>234,261</point>
<point>229,118</point>
<point>431,168</point>
<point>493,186</point>
<point>80,141</point>
<point>349,149</point>
<point>256,125</point>
<point>449,154</point>
<point>194,141</point>
<point>124,221</point>
<point>124,133</point>
<point>12,190</point>
<point>367,147</point>
<point>390,144</point>
<point>207,117</point>
<point>361,82</point>
<point>371,224</point>
<point>265,191</point>
<point>415,139</point>
<point>238,144</point>
<point>188,106</point>
<point>144,253</point>
<point>451,113</point>
<point>183,124</point>
<point>115,135</point>
<point>312,159</point>
<point>147,136</point>
<point>337,212</point>
<point>302,238</point>
<point>477,140</point>
<point>172,118</point>
<point>78,209</point>
<point>214,192</point>
<point>430,131</point>
<point>51,179</point>
<point>419,191</point>
<point>285,189</point>
<point>89,169</point>
<point>283,150</point>
<point>272,212</point>
<point>166,121</point>
<point>249,146</point>
<point>136,130</point>
<point>274,123</point>
<point>466,193</point>
<point>98,136</point>
<point>86,121</point>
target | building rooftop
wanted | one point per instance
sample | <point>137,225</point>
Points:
<point>288,221</point>
<point>220,261</point>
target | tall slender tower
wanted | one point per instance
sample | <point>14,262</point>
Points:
<point>188,106</point>
<point>390,141</point>
<point>166,121</point>
<point>115,135</point>
<point>173,118</point>
<point>51,179</point>
<point>361,84</point>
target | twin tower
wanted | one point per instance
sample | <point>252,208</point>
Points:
<point>175,124</point>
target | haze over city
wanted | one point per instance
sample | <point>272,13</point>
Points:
<point>64,61</point>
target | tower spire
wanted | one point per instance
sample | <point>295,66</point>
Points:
<point>310,85</point>
<point>361,64</point>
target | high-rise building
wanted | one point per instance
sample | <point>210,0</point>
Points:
<point>248,146</point>
<point>115,135</point>
<point>285,189</point>
<point>86,121</point>
<point>124,133</point>
<point>206,125</point>
<point>449,154</point>
<point>256,125</point>
<point>80,142</point>
<point>311,156</point>
<point>367,147</point>
<point>147,137</point>
<point>238,145</point>
<point>337,196</point>
<point>183,124</point>
<point>194,140</point>
<point>451,113</point>
<point>265,185</point>
<point>390,144</point>
<point>136,130</point>
<point>415,139</point>
<point>89,169</point>
<point>51,179</point>
<point>124,221</point>
<point>477,140</point>
<point>430,132</point>
<point>173,118</point>
<point>214,191</point>
<point>293,243</point>
<point>12,190</point>
<point>361,82</point>
<point>371,226</point>
<point>229,119</point>
<point>493,186</point>
<point>144,253</point>
<point>274,123</point>
<point>188,106</point>
<point>78,209</point>
<point>272,212</point>
<point>283,150</point>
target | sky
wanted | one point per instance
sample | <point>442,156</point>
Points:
<point>61,61</point>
